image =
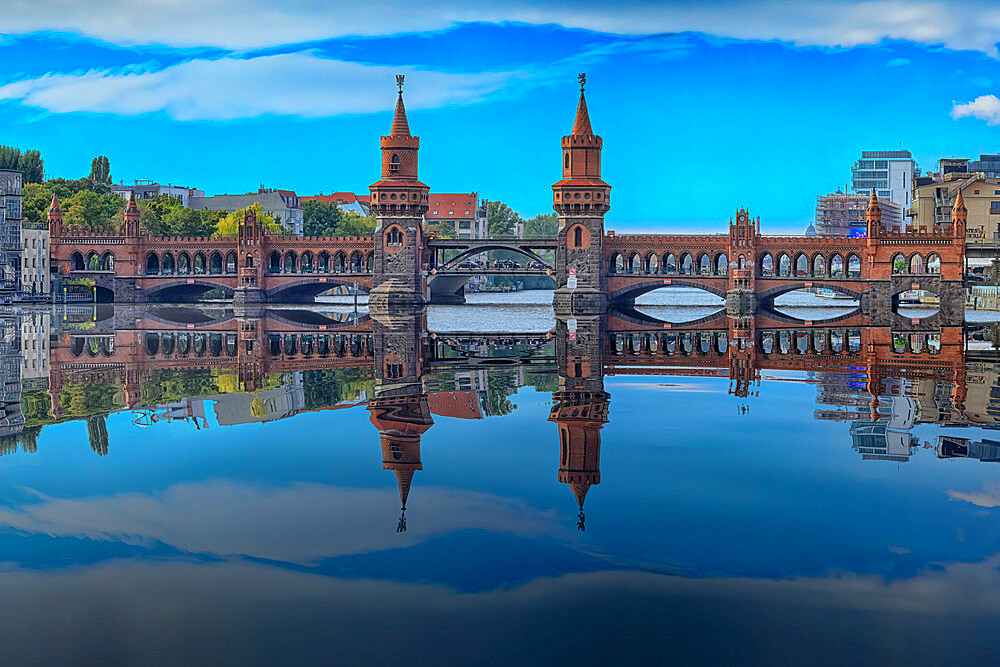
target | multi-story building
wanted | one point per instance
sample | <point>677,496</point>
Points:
<point>463,211</point>
<point>282,205</point>
<point>347,201</point>
<point>11,191</point>
<point>933,199</point>
<point>11,417</point>
<point>35,277</point>
<point>147,189</point>
<point>843,215</point>
<point>988,165</point>
<point>35,328</point>
<point>891,173</point>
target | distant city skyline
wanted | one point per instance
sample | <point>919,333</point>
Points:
<point>698,110</point>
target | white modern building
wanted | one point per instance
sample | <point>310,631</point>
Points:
<point>35,277</point>
<point>891,174</point>
<point>147,189</point>
<point>35,327</point>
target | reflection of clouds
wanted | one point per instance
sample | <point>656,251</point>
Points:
<point>988,497</point>
<point>237,611</point>
<point>300,523</point>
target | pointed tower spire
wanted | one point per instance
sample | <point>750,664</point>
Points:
<point>131,217</point>
<point>131,206</point>
<point>54,206</point>
<point>959,203</point>
<point>55,217</point>
<point>400,128</point>
<point>959,217</point>
<point>873,216</point>
<point>581,124</point>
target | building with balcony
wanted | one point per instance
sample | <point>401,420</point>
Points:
<point>11,218</point>
<point>891,173</point>
<point>147,189</point>
<point>933,200</point>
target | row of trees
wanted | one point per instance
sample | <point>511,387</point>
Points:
<point>321,218</point>
<point>29,162</point>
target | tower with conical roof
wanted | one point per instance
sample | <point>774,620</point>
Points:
<point>873,216</point>
<point>131,216</point>
<point>399,201</point>
<point>55,217</point>
<point>959,217</point>
<point>581,199</point>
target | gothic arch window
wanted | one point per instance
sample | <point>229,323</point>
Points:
<point>108,262</point>
<point>898,263</point>
<point>394,236</point>
<point>819,266</point>
<point>323,262</point>
<point>152,264</point>
<point>577,236</point>
<point>215,263</point>
<point>669,263</point>
<point>339,263</point>
<point>76,260</point>
<point>853,266</point>
<point>93,262</point>
<point>687,265</point>
<point>837,266</point>
<point>248,261</point>
<point>704,265</point>
<point>652,263</point>
<point>290,263</point>
<point>199,263</point>
<point>370,262</point>
<point>307,262</point>
<point>356,262</point>
<point>801,265</point>
<point>722,264</point>
<point>617,264</point>
<point>183,264</point>
<point>274,262</point>
<point>633,263</point>
<point>566,160</point>
<point>167,264</point>
<point>394,165</point>
<point>933,263</point>
<point>230,262</point>
<point>916,263</point>
<point>784,265</point>
<point>767,265</point>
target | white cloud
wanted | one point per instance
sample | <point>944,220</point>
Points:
<point>959,24</point>
<point>299,84</point>
<point>301,523</point>
<point>988,497</point>
<point>985,107</point>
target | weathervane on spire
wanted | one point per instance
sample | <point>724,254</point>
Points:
<point>582,78</point>
<point>399,82</point>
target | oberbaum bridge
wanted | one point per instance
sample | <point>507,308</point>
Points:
<point>596,271</point>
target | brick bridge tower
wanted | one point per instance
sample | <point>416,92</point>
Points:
<point>741,299</point>
<point>250,258</point>
<point>581,199</point>
<point>581,405</point>
<point>399,201</point>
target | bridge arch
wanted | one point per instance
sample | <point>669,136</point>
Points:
<point>767,265</point>
<point>512,247</point>
<point>305,290</point>
<point>721,264</point>
<point>686,266</point>
<point>631,292</point>
<point>784,265</point>
<point>819,266</point>
<point>184,291</point>
<point>669,264</point>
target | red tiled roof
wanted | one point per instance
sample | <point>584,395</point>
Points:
<point>339,198</point>
<point>451,206</point>
<point>458,404</point>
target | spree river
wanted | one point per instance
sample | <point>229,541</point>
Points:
<point>482,483</point>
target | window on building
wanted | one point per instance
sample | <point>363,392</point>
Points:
<point>464,224</point>
<point>994,207</point>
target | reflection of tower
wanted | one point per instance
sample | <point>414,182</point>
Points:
<point>399,201</point>
<point>249,352</point>
<point>581,406</point>
<point>743,372</point>
<point>581,199</point>
<point>399,409</point>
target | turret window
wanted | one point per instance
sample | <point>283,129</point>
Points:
<point>394,162</point>
<point>394,237</point>
<point>566,161</point>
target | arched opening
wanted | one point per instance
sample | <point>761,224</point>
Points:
<point>107,262</point>
<point>784,265</point>
<point>837,266</point>
<point>183,264</point>
<point>933,263</point>
<point>152,343</point>
<point>93,263</point>
<point>704,265</point>
<point>669,263</point>
<point>577,230</point>
<point>633,263</point>
<point>916,263</point>
<point>917,304</point>
<point>819,266</point>
<point>722,265</point>
<point>323,262</point>
<point>652,263</point>
<point>167,266</point>
<point>566,160</point>
<point>356,262</point>
<point>853,266</point>
<point>248,261</point>
<point>231,262</point>
<point>801,266</point>
<point>677,304</point>
<point>76,262</point>
<point>898,263</point>
<point>199,263</point>
<point>687,265</point>
<point>617,263</point>
<point>370,262</point>
<point>289,263</point>
<point>339,263</point>
<point>307,262</point>
<point>767,265</point>
<point>152,264</point>
<point>215,263</point>
<point>394,162</point>
<point>394,236</point>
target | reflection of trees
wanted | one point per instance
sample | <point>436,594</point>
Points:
<point>27,440</point>
<point>84,399</point>
<point>36,406</point>
<point>97,431</point>
<point>500,384</point>
<point>323,388</point>
<point>167,386</point>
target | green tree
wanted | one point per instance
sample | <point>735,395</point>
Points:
<point>92,209</point>
<point>229,225</point>
<point>356,225</point>
<point>100,170</point>
<point>320,218</point>
<point>31,165</point>
<point>35,205</point>
<point>541,225</point>
<point>444,230</point>
<point>188,222</point>
<point>501,219</point>
<point>10,157</point>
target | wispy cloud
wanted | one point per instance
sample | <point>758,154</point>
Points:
<point>969,24</point>
<point>985,107</point>
<point>988,497</point>
<point>293,84</point>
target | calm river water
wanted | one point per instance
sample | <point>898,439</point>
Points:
<point>171,506</point>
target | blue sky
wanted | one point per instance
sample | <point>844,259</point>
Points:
<point>702,108</point>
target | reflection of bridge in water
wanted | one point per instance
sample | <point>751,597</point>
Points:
<point>405,366</point>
